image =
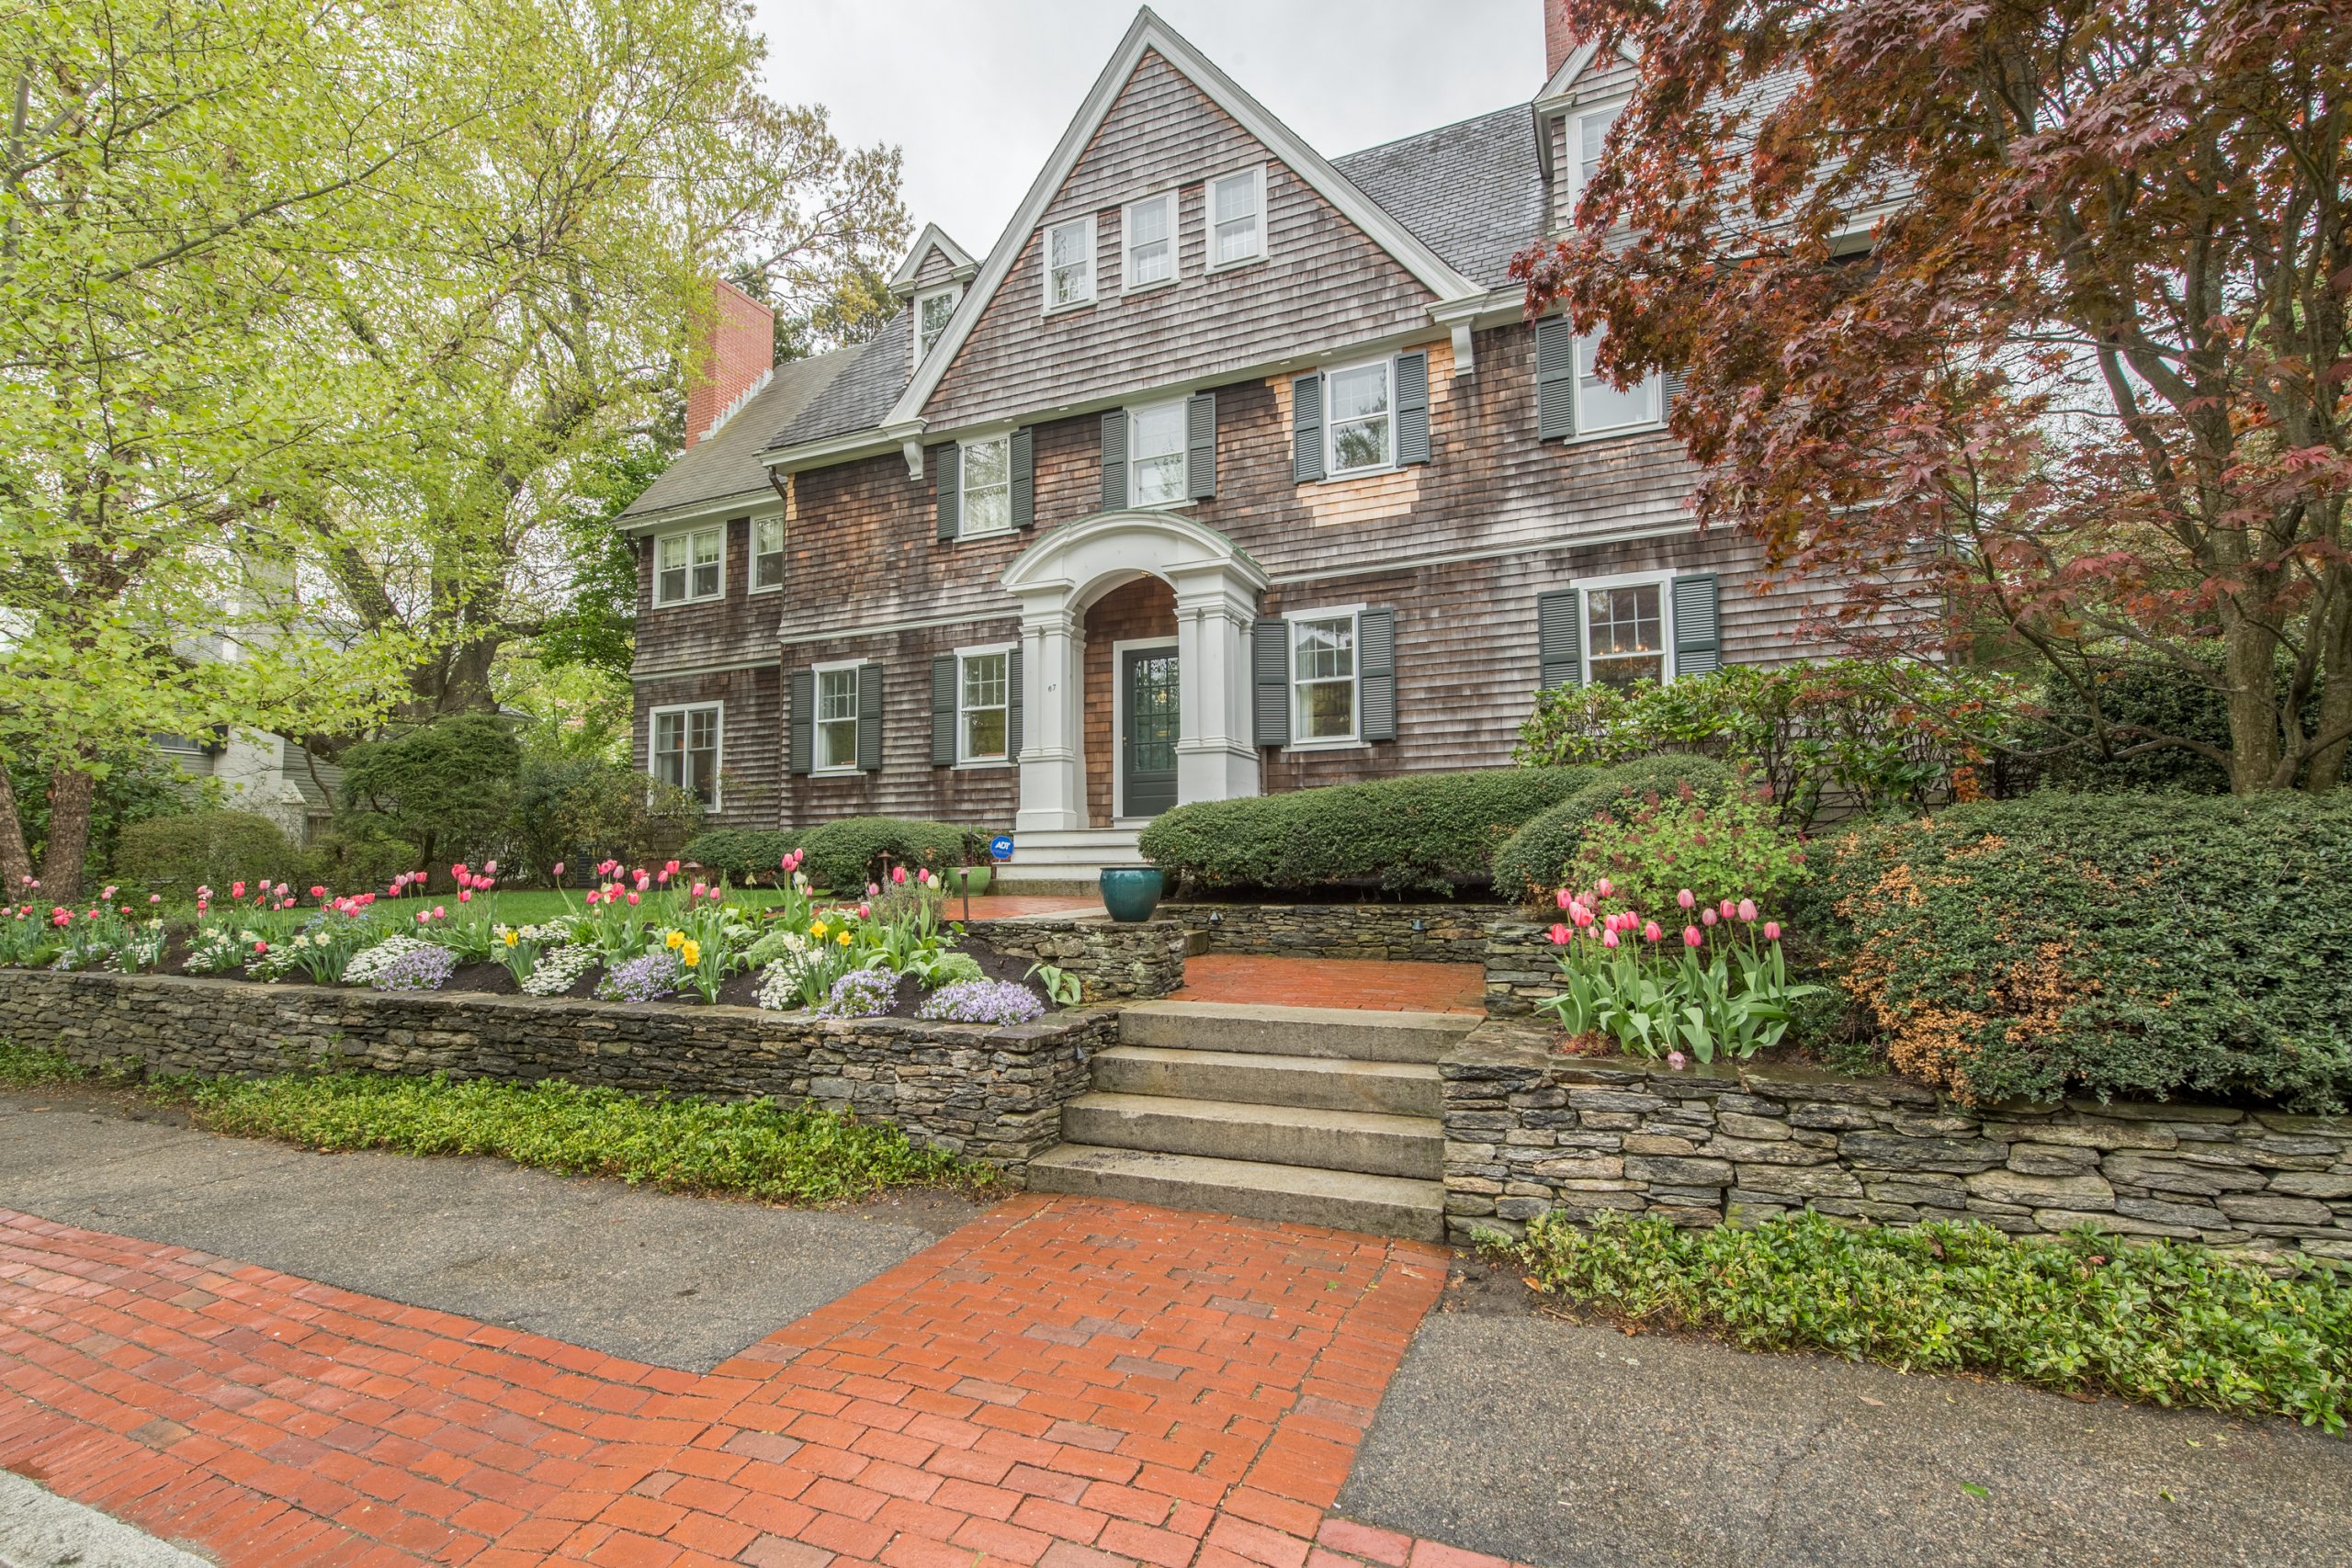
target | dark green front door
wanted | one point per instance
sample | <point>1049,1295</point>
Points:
<point>1147,730</point>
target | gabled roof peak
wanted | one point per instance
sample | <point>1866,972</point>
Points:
<point>934,238</point>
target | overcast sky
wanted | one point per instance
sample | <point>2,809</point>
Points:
<point>976,92</point>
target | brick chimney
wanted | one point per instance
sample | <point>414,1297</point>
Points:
<point>731,353</point>
<point>1559,38</point>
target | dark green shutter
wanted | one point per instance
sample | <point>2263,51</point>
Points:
<point>1307,429</point>
<point>1024,479</point>
<point>942,710</point>
<point>1556,379</point>
<point>1114,460</point>
<point>802,745</point>
<point>1376,675</point>
<point>1559,633</point>
<point>1697,626</point>
<point>1012,704</point>
<point>1200,445</point>
<point>1670,394</point>
<point>1269,670</point>
<point>947,463</point>
<point>869,717</point>
<point>1412,408</point>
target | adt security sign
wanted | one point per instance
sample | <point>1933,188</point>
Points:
<point>1000,848</point>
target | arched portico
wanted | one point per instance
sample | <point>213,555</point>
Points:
<point>1216,587</point>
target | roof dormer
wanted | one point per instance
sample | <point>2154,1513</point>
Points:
<point>931,282</point>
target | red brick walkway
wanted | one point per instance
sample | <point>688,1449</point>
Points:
<point>1064,1382</point>
<point>1334,982</point>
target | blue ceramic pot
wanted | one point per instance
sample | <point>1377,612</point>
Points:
<point>1130,892</point>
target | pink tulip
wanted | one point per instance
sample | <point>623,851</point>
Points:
<point>863,911</point>
<point>1560,935</point>
<point>261,947</point>
<point>898,874</point>
<point>632,899</point>
<point>490,867</point>
<point>1651,933</point>
<point>1602,887</point>
<point>465,894</point>
<point>237,890</point>
<point>1707,917</point>
<point>423,916</point>
<point>458,869</point>
<point>108,895</point>
<point>1684,898</point>
<point>1746,908</point>
<point>1771,930</point>
<point>1690,937</point>
<point>556,870</point>
<point>440,911</point>
<point>318,892</point>
<point>1562,898</point>
<point>1584,918</point>
<point>1609,938</point>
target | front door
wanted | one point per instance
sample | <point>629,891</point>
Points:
<point>1148,728</point>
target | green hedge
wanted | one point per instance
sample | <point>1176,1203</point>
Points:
<point>1425,833</point>
<point>1530,865</point>
<point>2135,946</point>
<point>175,855</point>
<point>741,855</point>
<point>843,856</point>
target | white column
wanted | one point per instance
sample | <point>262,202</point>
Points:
<point>1052,778</point>
<point>1215,759</point>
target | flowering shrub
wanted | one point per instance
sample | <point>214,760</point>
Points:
<point>425,967</point>
<point>644,978</point>
<point>370,962</point>
<point>861,993</point>
<point>1711,848</point>
<point>1719,987</point>
<point>982,1001</point>
<point>559,969</point>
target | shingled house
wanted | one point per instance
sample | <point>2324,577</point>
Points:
<point>1230,469</point>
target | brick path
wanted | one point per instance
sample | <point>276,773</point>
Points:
<point>1065,1383</point>
<point>1334,982</point>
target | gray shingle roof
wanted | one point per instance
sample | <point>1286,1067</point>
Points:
<point>861,394</point>
<point>728,463</point>
<point>1472,191</point>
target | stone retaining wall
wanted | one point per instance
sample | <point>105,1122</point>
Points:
<point>1113,961</point>
<point>1523,968</point>
<point>994,1094</point>
<point>1430,934</point>
<point>1528,1132</point>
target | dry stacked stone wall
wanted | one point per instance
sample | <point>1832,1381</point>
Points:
<point>1113,961</point>
<point>1523,966</point>
<point>993,1094</point>
<point>1426,933</point>
<point>1529,1131</point>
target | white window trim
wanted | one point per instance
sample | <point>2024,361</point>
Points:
<point>963,490</point>
<point>1664,580</point>
<point>1654,384</point>
<point>1572,128</point>
<point>1183,450</point>
<point>1353,740</point>
<point>1209,263</point>
<point>690,596</point>
<point>1119,649</point>
<point>752,555</point>
<point>1388,464</point>
<point>983,765</point>
<point>654,717</point>
<point>955,292</point>
<point>816,672</point>
<point>1127,243</point>
<point>1093,266</point>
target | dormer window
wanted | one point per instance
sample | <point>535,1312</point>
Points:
<point>933,309</point>
<point>1069,263</point>
<point>1237,217</point>
<point>1148,228</point>
<point>1587,134</point>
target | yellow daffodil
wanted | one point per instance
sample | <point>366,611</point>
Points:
<point>676,939</point>
<point>689,953</point>
<point>513,937</point>
<point>842,939</point>
<point>818,929</point>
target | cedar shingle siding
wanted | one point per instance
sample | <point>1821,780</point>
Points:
<point>1457,549</point>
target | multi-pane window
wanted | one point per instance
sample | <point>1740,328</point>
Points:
<point>1590,131</point>
<point>837,718</point>
<point>982,699</point>
<point>1156,454</point>
<point>686,750</point>
<point>988,485</point>
<point>1323,678</point>
<point>1150,226</point>
<point>1356,416</point>
<point>767,553</point>
<point>1626,634</point>
<point>1237,205</point>
<point>931,313</point>
<point>1069,262</point>
<point>688,566</point>
<point>1600,406</point>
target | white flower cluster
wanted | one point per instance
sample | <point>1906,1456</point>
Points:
<point>559,969</point>
<point>365,966</point>
<point>214,948</point>
<point>143,951</point>
<point>780,985</point>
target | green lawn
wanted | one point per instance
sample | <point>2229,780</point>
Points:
<point>522,907</point>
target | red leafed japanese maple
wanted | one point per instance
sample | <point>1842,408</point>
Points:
<point>2038,308</point>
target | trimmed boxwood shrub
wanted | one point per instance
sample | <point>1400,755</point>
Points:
<point>175,855</point>
<point>2140,946</point>
<point>1424,833</point>
<point>741,855</point>
<point>1532,861</point>
<point>847,855</point>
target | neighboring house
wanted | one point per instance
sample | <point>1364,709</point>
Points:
<point>266,774</point>
<point>1232,468</point>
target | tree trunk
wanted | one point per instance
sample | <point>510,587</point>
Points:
<point>16,866</point>
<point>2335,687</point>
<point>71,792</point>
<point>2249,661</point>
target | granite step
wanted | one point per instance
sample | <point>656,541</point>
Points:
<point>1354,1200</point>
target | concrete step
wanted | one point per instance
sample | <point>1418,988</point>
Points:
<point>1249,1028</point>
<point>1363,1140</point>
<point>1383,1205</point>
<point>1320,1083</point>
